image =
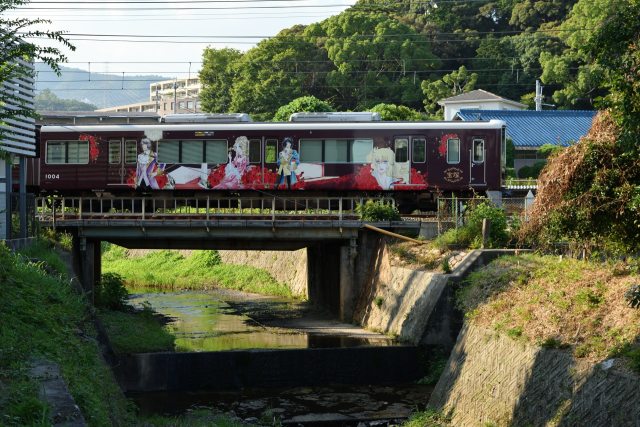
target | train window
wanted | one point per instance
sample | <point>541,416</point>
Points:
<point>254,150</point>
<point>270,149</point>
<point>336,151</point>
<point>169,151</point>
<point>360,150</point>
<point>453,150</point>
<point>311,150</point>
<point>115,154</point>
<point>56,152</point>
<point>419,150</point>
<point>130,151</point>
<point>216,151</point>
<point>78,152</point>
<point>402,150</point>
<point>478,150</point>
<point>192,151</point>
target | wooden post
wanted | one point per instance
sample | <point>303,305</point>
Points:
<point>486,231</point>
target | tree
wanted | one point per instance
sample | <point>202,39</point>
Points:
<point>375,58</point>
<point>452,84</point>
<point>216,76</point>
<point>277,71</point>
<point>15,49</point>
<point>580,77</point>
<point>46,100</point>
<point>303,104</point>
<point>392,112</point>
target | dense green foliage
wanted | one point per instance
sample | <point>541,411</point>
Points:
<point>469,235</point>
<point>110,292</point>
<point>41,317</point>
<point>378,211</point>
<point>165,269</point>
<point>590,195</point>
<point>48,101</point>
<point>415,53</point>
<point>392,112</point>
<point>306,104</point>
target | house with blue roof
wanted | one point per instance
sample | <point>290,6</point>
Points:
<point>529,129</point>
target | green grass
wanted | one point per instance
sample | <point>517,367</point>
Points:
<point>427,418</point>
<point>43,251</point>
<point>42,317</point>
<point>136,332</point>
<point>170,270</point>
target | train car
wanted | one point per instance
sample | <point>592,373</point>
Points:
<point>319,153</point>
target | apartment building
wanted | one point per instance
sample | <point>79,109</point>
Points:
<point>166,97</point>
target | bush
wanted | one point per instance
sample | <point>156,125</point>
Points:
<point>470,234</point>
<point>378,211</point>
<point>110,292</point>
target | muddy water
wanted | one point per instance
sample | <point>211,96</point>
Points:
<point>216,320</point>
<point>219,320</point>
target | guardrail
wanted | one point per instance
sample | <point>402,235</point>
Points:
<point>54,208</point>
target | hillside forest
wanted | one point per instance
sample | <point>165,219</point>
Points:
<point>408,54</point>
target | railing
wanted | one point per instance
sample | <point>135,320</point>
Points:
<point>52,209</point>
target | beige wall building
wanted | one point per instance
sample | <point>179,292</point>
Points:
<point>166,97</point>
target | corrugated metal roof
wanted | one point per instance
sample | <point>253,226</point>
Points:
<point>531,128</point>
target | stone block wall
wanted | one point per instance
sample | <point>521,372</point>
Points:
<point>492,379</point>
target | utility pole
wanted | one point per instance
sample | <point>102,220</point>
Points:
<point>538,97</point>
<point>157,100</point>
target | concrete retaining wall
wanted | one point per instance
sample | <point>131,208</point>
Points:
<point>234,370</point>
<point>491,379</point>
<point>289,267</point>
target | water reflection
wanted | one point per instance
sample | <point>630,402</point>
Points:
<point>216,320</point>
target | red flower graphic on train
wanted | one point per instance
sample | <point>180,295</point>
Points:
<point>94,151</point>
<point>216,175</point>
<point>442,148</point>
<point>131,179</point>
<point>161,178</point>
<point>363,180</point>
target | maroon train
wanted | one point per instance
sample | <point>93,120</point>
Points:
<point>409,160</point>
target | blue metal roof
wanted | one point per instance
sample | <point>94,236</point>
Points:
<point>529,128</point>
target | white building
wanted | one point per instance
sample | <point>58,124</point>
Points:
<point>477,100</point>
<point>166,97</point>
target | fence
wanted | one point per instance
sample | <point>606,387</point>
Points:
<point>148,208</point>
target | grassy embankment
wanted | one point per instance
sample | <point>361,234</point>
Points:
<point>170,270</point>
<point>558,303</point>
<point>42,317</point>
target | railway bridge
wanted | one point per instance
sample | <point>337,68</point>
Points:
<point>339,247</point>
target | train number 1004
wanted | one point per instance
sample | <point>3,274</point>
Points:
<point>52,176</point>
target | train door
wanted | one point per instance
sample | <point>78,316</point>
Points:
<point>402,167</point>
<point>122,156</point>
<point>477,163</point>
<point>255,160</point>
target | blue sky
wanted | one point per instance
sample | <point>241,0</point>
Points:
<point>227,23</point>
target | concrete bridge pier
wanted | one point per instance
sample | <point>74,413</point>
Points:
<point>88,263</point>
<point>337,271</point>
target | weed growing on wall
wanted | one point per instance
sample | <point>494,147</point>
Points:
<point>375,211</point>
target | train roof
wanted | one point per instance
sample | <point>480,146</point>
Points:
<point>283,126</point>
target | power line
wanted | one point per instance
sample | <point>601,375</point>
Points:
<point>76,8</point>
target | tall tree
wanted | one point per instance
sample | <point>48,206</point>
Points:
<point>376,59</point>
<point>307,104</point>
<point>580,77</point>
<point>15,49</point>
<point>452,84</point>
<point>216,76</point>
<point>277,71</point>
